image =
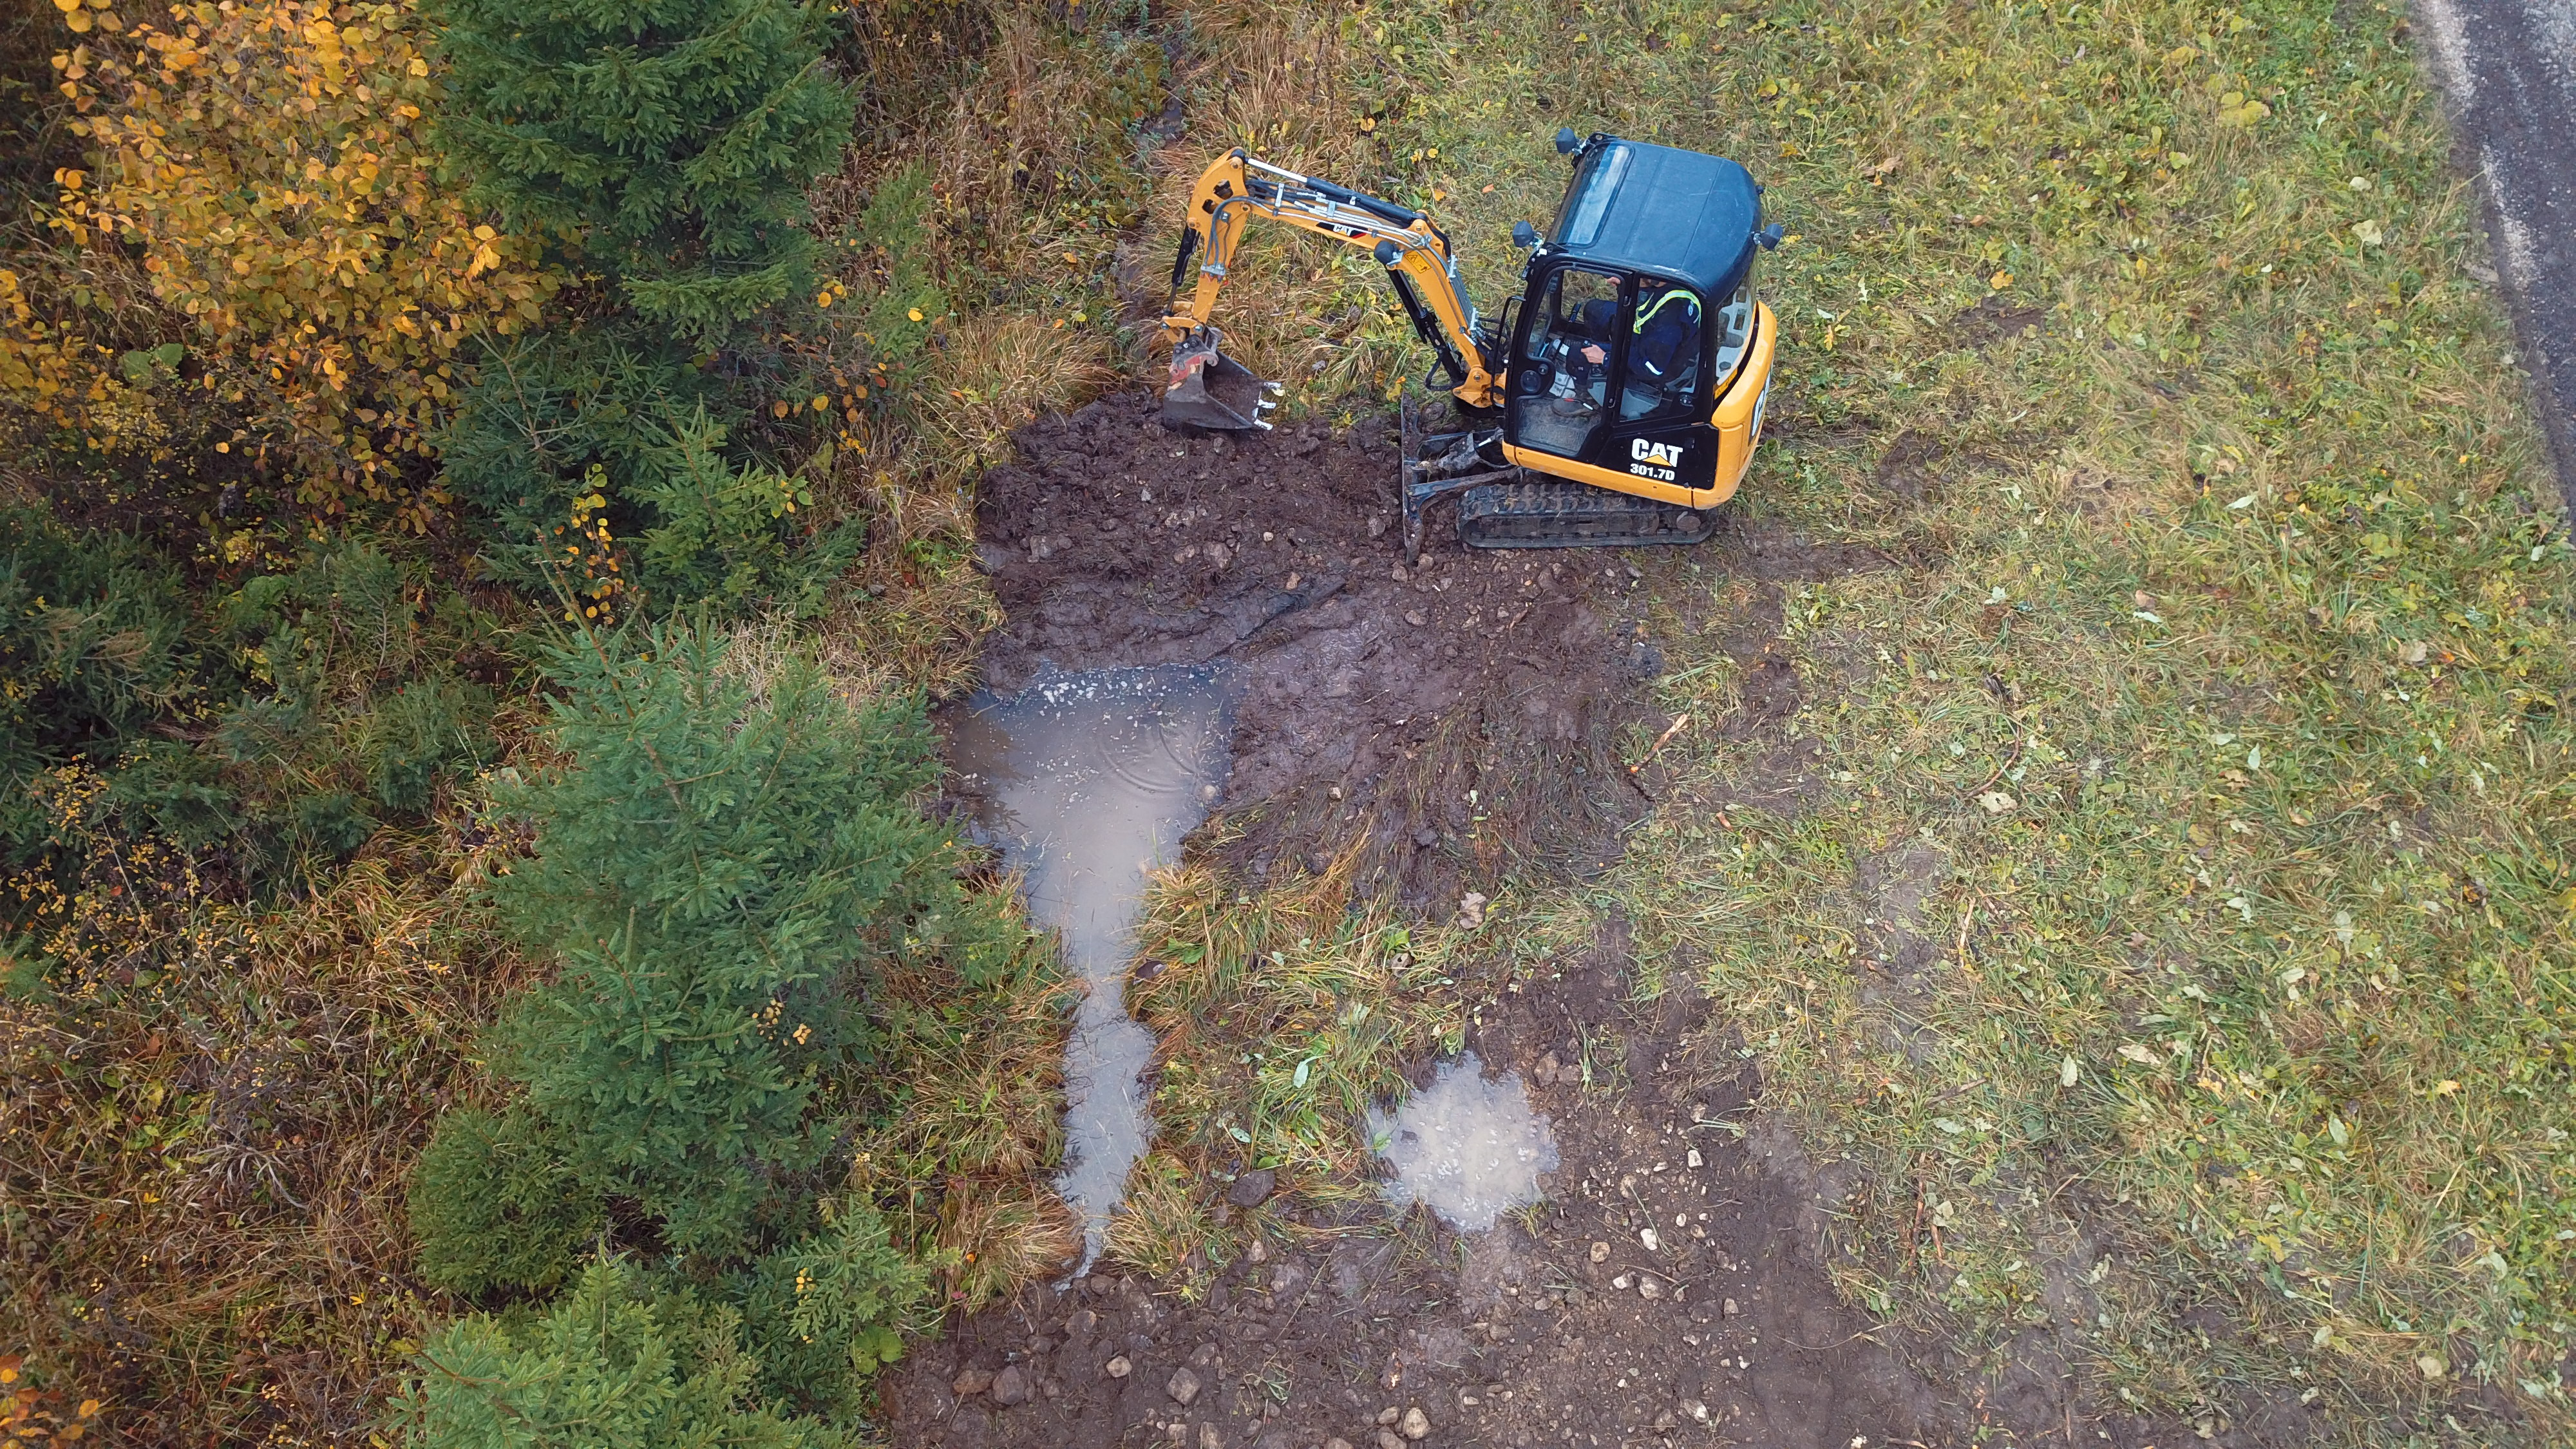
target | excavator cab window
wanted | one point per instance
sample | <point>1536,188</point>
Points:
<point>1568,361</point>
<point>1663,352</point>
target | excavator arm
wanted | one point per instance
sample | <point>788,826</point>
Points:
<point>1210,389</point>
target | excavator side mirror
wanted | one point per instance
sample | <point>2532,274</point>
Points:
<point>1524,235</point>
<point>1770,236</point>
<point>1567,143</point>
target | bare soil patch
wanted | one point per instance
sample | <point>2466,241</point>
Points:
<point>1462,716</point>
<point>1669,1292</point>
<point>1994,318</point>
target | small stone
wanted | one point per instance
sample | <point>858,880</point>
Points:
<point>1259,1252</point>
<point>1649,1289</point>
<point>1011,1386</point>
<point>1337,1442</point>
<point>1600,1252</point>
<point>1388,1415</point>
<point>1389,1439</point>
<point>1183,1387</point>
<point>1695,1159</point>
<point>1729,1308</point>
<point>1118,1368</point>
<point>1647,1237</point>
<point>1414,617</point>
<point>1415,1424</point>
<point>1620,1282</point>
<point>1253,1188</point>
<point>971,1381</point>
<point>1548,1070</point>
<point>1081,1324</point>
<point>1209,1438</point>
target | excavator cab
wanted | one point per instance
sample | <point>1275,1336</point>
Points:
<point>1628,353</point>
<point>1616,400</point>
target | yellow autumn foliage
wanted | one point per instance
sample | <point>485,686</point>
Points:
<point>268,163</point>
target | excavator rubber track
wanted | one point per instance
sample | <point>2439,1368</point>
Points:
<point>1551,513</point>
<point>1512,507</point>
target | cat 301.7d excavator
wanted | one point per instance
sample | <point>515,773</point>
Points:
<point>1616,400</point>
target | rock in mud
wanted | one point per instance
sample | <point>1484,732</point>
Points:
<point>1183,1387</point>
<point>1389,1439</point>
<point>1118,1368</point>
<point>1415,1424</point>
<point>970,1382</point>
<point>1011,1386</point>
<point>1253,1188</point>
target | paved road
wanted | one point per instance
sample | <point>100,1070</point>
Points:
<point>2510,69</point>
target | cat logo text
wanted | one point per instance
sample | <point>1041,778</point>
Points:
<point>1654,460</point>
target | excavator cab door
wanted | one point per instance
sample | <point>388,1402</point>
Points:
<point>1566,360</point>
<point>1607,370</point>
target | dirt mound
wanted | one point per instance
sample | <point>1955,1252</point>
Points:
<point>1462,716</point>
<point>1667,1294</point>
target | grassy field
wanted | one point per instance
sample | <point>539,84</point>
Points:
<point>2205,740</point>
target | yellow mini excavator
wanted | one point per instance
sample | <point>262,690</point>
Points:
<point>1616,400</point>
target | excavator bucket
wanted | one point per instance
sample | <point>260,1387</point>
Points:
<point>1212,390</point>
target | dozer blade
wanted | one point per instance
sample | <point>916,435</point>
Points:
<point>1212,390</point>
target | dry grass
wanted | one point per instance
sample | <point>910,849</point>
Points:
<point>978,225</point>
<point>1283,1017</point>
<point>209,1131</point>
<point>998,371</point>
<point>1281,82</point>
<point>970,1121</point>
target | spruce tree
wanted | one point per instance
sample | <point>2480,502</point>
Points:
<point>672,140</point>
<point>666,148</point>
<point>612,1365</point>
<point>715,870</point>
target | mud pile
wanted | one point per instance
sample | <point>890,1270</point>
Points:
<point>1462,716</point>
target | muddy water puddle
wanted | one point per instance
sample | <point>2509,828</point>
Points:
<point>1468,1147</point>
<point>1086,782</point>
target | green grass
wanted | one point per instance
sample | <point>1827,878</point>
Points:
<point>1283,1017</point>
<point>2222,675</point>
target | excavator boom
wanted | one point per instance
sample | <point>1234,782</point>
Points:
<point>1209,389</point>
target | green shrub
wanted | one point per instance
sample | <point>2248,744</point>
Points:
<point>672,139</point>
<point>493,1205</point>
<point>668,146</point>
<point>93,651</point>
<point>610,1365</point>
<point>419,731</point>
<point>714,870</point>
<point>826,1312</point>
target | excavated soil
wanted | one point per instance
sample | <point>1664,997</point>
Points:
<point>1376,698</point>
<point>1667,1293</point>
<point>1458,719</point>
